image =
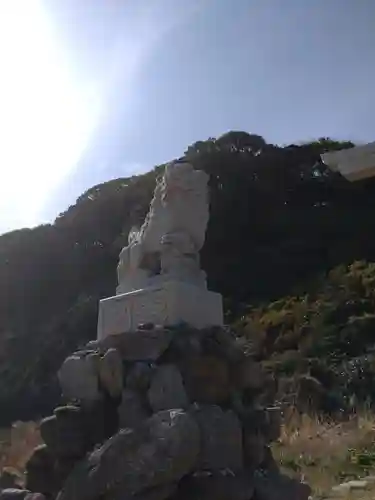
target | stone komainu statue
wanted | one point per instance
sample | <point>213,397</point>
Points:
<point>168,243</point>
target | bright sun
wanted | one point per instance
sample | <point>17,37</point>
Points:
<point>45,119</point>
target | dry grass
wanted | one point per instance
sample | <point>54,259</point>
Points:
<point>17,444</point>
<point>325,454</point>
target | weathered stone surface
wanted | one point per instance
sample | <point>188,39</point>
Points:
<point>40,472</point>
<point>63,434</point>
<point>269,464</point>
<point>265,421</point>
<point>34,496</point>
<point>78,378</point>
<point>111,372</point>
<point>48,430</point>
<point>141,345</point>
<point>206,379</point>
<point>161,451</point>
<point>158,493</point>
<point>10,478</point>
<point>63,467</point>
<point>93,345</point>
<point>146,326</point>
<point>100,421</point>
<point>13,494</point>
<point>279,487</point>
<point>139,376</point>
<point>221,439</point>
<point>132,410</point>
<point>216,487</point>
<point>186,343</point>
<point>167,390</point>
<point>254,445</point>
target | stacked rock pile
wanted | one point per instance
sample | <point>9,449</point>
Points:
<point>161,413</point>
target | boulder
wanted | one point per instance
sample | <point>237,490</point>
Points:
<point>157,493</point>
<point>206,379</point>
<point>100,420</point>
<point>10,478</point>
<point>40,472</point>
<point>279,487</point>
<point>132,410</point>
<point>221,439</point>
<point>269,464</point>
<point>139,376</point>
<point>18,494</point>
<point>216,487</point>
<point>254,446</point>
<point>78,378</point>
<point>167,390</point>
<point>266,421</point>
<point>111,373</point>
<point>186,343</point>
<point>63,434</point>
<point>142,345</point>
<point>161,451</point>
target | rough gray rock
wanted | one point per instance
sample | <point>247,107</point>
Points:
<point>9,478</point>
<point>132,410</point>
<point>254,445</point>
<point>111,372</point>
<point>206,379</point>
<point>100,421</point>
<point>221,439</point>
<point>142,345</point>
<point>216,487</point>
<point>167,389</point>
<point>139,376</point>
<point>40,471</point>
<point>63,432</point>
<point>16,494</point>
<point>158,493</point>
<point>78,377</point>
<point>279,487</point>
<point>163,450</point>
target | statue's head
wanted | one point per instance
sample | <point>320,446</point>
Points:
<point>178,168</point>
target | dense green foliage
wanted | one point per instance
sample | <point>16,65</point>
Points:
<point>328,333</point>
<point>279,221</point>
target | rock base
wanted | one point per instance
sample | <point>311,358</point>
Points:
<point>161,413</point>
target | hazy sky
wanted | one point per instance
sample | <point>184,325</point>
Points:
<point>98,89</point>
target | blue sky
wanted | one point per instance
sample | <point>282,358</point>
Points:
<point>169,72</point>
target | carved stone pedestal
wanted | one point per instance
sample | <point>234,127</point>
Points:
<point>166,304</point>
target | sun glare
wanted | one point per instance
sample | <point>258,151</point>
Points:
<point>45,118</point>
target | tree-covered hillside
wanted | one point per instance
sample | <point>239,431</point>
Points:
<point>279,221</point>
